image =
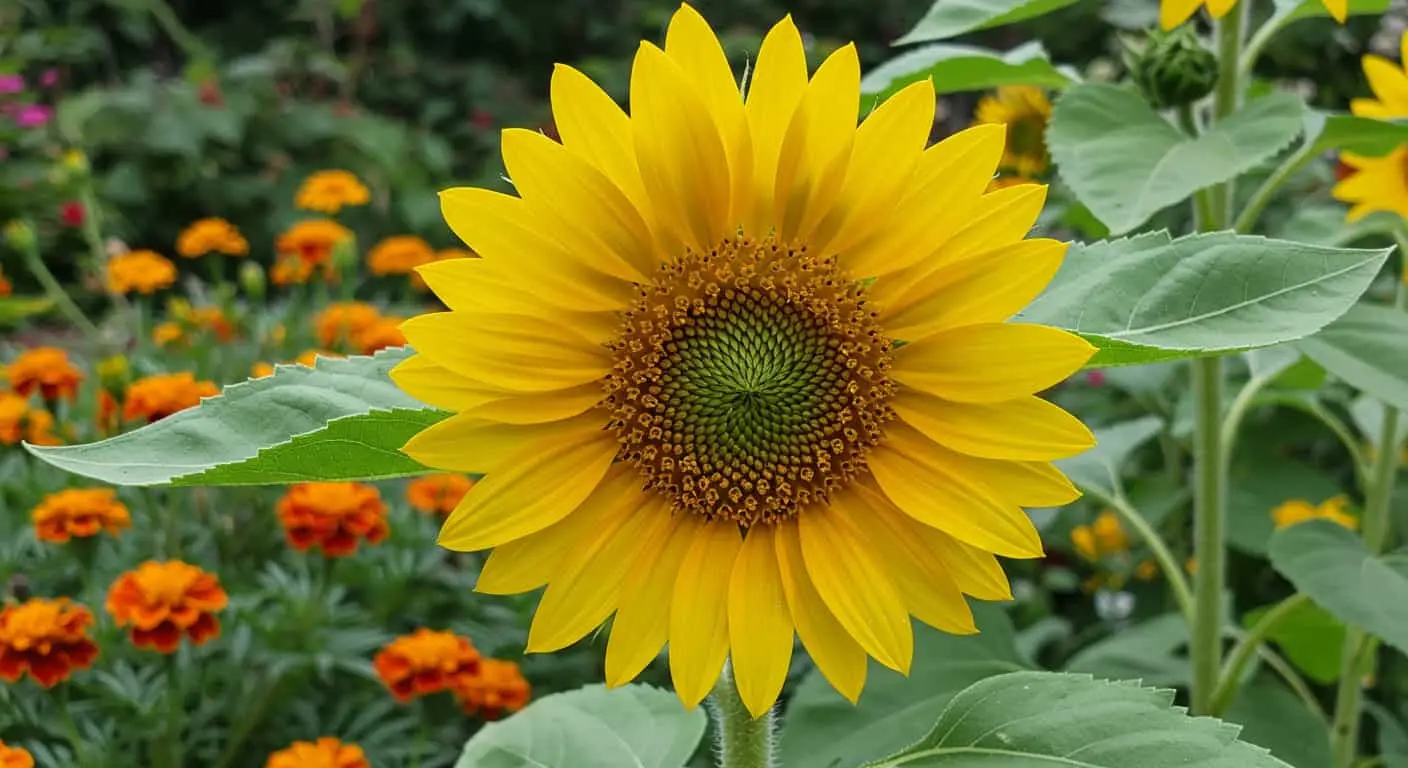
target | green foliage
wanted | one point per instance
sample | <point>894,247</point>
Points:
<point>1310,637</point>
<point>1368,348</point>
<point>1173,69</point>
<point>954,68</point>
<point>951,18</point>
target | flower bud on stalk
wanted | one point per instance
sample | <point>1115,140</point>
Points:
<point>1172,69</point>
<point>253,280</point>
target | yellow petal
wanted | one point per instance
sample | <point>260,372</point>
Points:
<point>1219,8</point>
<point>816,149</point>
<point>642,622</point>
<point>1388,80</point>
<point>510,352</point>
<point>976,572</point>
<point>588,214</point>
<point>1175,12</point>
<point>760,627</point>
<point>1339,9</point>
<point>538,407</point>
<point>987,288</point>
<point>1027,483</point>
<point>587,589</point>
<point>596,129</point>
<point>854,583</point>
<point>1027,428</point>
<point>492,287</point>
<point>513,501</point>
<point>927,489</point>
<point>778,81</point>
<point>699,612</point>
<point>990,362</point>
<point>839,657</point>
<point>466,443</point>
<point>439,386</point>
<point>1002,217</point>
<point>682,157</point>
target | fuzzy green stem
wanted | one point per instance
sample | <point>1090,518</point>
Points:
<point>1173,573</point>
<point>1247,647</point>
<point>743,741</point>
<point>1267,191</point>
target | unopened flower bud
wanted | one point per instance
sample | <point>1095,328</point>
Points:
<point>1173,69</point>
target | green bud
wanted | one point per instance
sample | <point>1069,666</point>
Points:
<point>252,280</point>
<point>1173,68</point>
<point>344,257</point>
<point>19,235</point>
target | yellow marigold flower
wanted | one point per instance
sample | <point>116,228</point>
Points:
<point>164,602</point>
<point>425,662</point>
<point>45,370</point>
<point>340,322</point>
<point>19,421</point>
<point>311,241</point>
<point>46,638</point>
<point>79,513</point>
<point>1374,184</point>
<point>831,482</point>
<point>15,757</point>
<point>1147,570</point>
<point>438,494</point>
<point>385,332</point>
<point>329,191</point>
<point>212,235</point>
<point>326,752</point>
<point>1175,12</point>
<point>335,517</point>
<point>1299,510</point>
<point>144,272</point>
<point>1025,111</point>
<point>155,397</point>
<point>498,689</point>
<point>1102,538</point>
<point>399,255</point>
<point>166,334</point>
<point>260,370</point>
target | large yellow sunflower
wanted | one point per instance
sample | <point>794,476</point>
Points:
<point>1374,184</point>
<point>678,365</point>
<point>1175,12</point>
<point>1389,82</point>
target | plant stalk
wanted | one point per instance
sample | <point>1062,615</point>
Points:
<point>55,291</point>
<point>1247,647</point>
<point>743,741</point>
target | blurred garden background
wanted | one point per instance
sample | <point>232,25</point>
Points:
<point>195,192</point>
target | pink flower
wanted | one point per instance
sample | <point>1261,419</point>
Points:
<point>34,115</point>
<point>1095,378</point>
<point>11,83</point>
<point>50,78</point>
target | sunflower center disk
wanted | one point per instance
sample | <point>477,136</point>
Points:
<point>749,381</point>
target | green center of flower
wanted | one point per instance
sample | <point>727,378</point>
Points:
<point>749,381</point>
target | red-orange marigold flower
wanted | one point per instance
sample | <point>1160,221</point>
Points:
<point>312,240</point>
<point>498,689</point>
<point>5,289</point>
<point>164,601</point>
<point>45,370</point>
<point>385,332</point>
<point>15,757</point>
<point>156,397</point>
<point>19,421</point>
<point>211,235</point>
<point>332,516</point>
<point>79,513</point>
<point>326,752</point>
<point>438,494</point>
<point>342,321</point>
<point>425,662</point>
<point>46,638</point>
<point>399,255</point>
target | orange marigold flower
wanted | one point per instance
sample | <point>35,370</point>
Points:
<point>385,332</point>
<point>261,370</point>
<point>156,397</point>
<point>329,191</point>
<point>212,235</point>
<point>438,494</point>
<point>326,752</point>
<point>332,516</point>
<point>342,321</point>
<point>163,601</point>
<point>109,416</point>
<point>19,421</point>
<point>15,757</point>
<point>202,319</point>
<point>290,270</point>
<point>499,688</point>
<point>168,333</point>
<point>46,638</point>
<point>311,240</point>
<point>5,290</point>
<point>309,357</point>
<point>144,272</point>
<point>79,513</point>
<point>425,662</point>
<point>399,255</point>
<point>45,370</point>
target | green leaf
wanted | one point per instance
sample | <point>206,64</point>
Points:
<point>1325,225</point>
<point>13,309</point>
<point>1259,483</point>
<point>1329,563</point>
<point>954,68</point>
<point>1291,10</point>
<point>1147,298</point>
<point>1310,637</point>
<point>1368,415</point>
<point>822,729</point>
<point>1273,717</point>
<point>1048,719</point>
<point>344,419</point>
<point>591,727</point>
<point>1099,469</point>
<point>1361,135</point>
<point>1146,651</point>
<point>1097,128</point>
<point>951,18</point>
<point>1393,737</point>
<point>1368,349</point>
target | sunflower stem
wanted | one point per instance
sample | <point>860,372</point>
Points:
<point>743,740</point>
<point>1247,647</point>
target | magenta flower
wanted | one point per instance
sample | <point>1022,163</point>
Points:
<point>11,83</point>
<point>50,78</point>
<point>34,115</point>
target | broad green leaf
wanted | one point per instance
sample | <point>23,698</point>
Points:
<point>343,419</point>
<point>1257,484</point>
<point>1361,135</point>
<point>1310,637</point>
<point>1329,563</point>
<point>1148,298</point>
<point>1146,651</point>
<point>1393,737</point>
<point>1097,128</point>
<point>951,18</point>
<point>1285,367</point>
<point>1273,717</point>
<point>1367,348</point>
<point>591,727</point>
<point>1098,470</point>
<point>1049,719</point>
<point>13,309</point>
<point>1325,225</point>
<point>1368,415</point>
<point>1301,9</point>
<point>822,729</point>
<point>954,68</point>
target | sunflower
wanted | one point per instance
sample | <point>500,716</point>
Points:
<point>1374,184</point>
<point>329,191</point>
<point>1025,111</point>
<point>1389,82</point>
<point>678,365</point>
<point>1175,12</point>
